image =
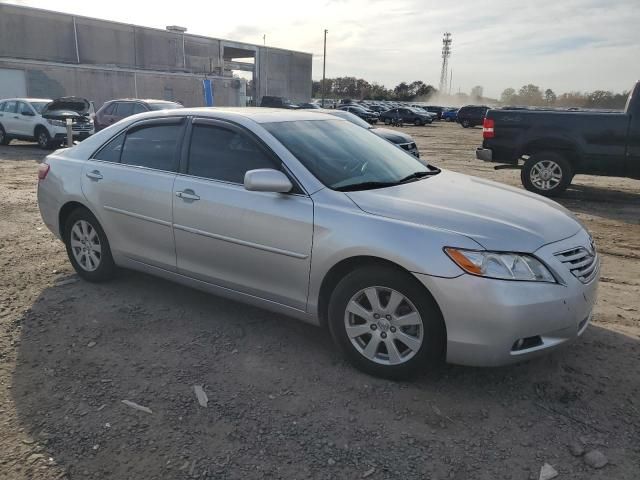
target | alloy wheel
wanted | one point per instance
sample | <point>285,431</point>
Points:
<point>85,245</point>
<point>43,139</point>
<point>383,325</point>
<point>546,175</point>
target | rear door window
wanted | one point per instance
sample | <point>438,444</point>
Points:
<point>111,151</point>
<point>125,109</point>
<point>139,108</point>
<point>153,146</point>
<point>109,109</point>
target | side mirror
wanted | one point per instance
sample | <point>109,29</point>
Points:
<point>267,180</point>
<point>27,113</point>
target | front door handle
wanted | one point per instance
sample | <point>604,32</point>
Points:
<point>94,175</point>
<point>187,194</point>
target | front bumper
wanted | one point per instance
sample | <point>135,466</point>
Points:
<point>485,154</point>
<point>487,319</point>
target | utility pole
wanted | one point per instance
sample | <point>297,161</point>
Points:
<point>264,39</point>
<point>324,65</point>
<point>450,80</point>
<point>446,53</point>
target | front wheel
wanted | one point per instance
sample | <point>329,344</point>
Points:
<point>466,124</point>
<point>546,173</point>
<point>43,138</point>
<point>387,121</point>
<point>417,122</point>
<point>88,247</point>
<point>386,323</point>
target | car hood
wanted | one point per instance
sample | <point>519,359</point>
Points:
<point>496,216</point>
<point>392,135</point>
<point>66,107</point>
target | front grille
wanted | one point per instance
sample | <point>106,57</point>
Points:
<point>81,127</point>
<point>582,262</point>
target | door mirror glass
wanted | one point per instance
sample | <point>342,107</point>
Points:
<point>267,180</point>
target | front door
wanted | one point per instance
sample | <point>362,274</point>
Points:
<point>129,185</point>
<point>258,243</point>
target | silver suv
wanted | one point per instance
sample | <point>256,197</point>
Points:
<point>314,217</point>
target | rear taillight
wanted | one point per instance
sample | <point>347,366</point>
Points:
<point>43,170</point>
<point>488,128</point>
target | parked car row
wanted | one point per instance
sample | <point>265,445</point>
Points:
<point>43,120</point>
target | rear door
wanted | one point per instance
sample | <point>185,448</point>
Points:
<point>25,124</point>
<point>124,110</point>
<point>257,243</point>
<point>129,185</point>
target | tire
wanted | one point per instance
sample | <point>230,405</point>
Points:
<point>78,236</point>
<point>387,121</point>
<point>43,138</point>
<point>4,139</point>
<point>546,173</point>
<point>426,338</point>
<point>465,124</point>
<point>417,122</point>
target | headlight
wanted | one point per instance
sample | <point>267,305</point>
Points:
<point>500,265</point>
<point>57,123</point>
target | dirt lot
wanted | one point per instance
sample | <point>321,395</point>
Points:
<point>282,403</point>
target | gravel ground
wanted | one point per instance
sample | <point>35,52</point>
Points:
<point>281,401</point>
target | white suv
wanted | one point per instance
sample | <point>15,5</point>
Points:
<point>22,119</point>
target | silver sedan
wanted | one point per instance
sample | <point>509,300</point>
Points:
<point>314,217</point>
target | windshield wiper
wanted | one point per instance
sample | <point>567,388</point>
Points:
<point>364,186</point>
<point>418,175</point>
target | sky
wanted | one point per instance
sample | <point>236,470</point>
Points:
<point>565,45</point>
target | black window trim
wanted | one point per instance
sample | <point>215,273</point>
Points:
<point>298,189</point>
<point>147,122</point>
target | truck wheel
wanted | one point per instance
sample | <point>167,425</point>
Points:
<point>546,173</point>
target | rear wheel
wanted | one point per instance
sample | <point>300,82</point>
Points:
<point>4,140</point>
<point>88,247</point>
<point>546,173</point>
<point>385,322</point>
<point>43,138</point>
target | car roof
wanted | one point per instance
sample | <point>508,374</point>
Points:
<point>147,100</point>
<point>259,114</point>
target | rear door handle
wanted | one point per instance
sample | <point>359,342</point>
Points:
<point>94,175</point>
<point>187,195</point>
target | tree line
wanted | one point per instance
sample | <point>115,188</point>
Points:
<point>533,95</point>
<point>360,89</point>
<point>527,95</point>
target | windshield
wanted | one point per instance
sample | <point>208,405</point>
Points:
<point>350,117</point>
<point>164,106</point>
<point>344,156</point>
<point>38,106</point>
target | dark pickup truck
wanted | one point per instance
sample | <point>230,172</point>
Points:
<point>556,144</point>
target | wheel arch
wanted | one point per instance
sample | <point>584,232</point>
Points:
<point>39,127</point>
<point>347,265</point>
<point>561,146</point>
<point>66,210</point>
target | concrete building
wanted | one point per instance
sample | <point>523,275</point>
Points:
<point>50,54</point>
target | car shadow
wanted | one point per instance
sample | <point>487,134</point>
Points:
<point>598,201</point>
<point>281,400</point>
